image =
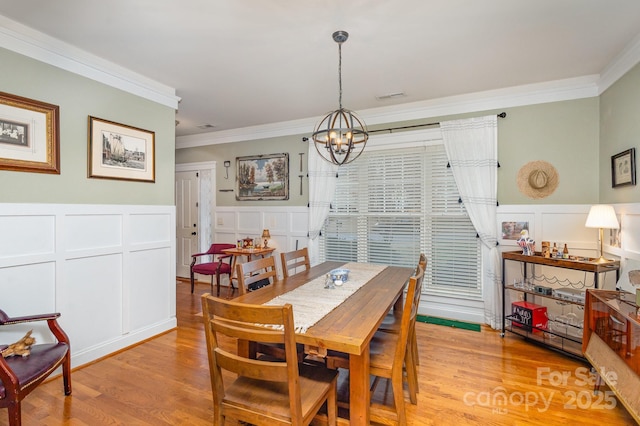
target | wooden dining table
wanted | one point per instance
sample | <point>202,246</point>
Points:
<point>349,327</point>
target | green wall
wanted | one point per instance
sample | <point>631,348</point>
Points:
<point>229,151</point>
<point>562,133</point>
<point>78,97</point>
<point>619,131</point>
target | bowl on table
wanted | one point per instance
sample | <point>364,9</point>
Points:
<point>339,276</point>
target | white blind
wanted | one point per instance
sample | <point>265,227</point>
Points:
<point>452,245</point>
<point>391,205</point>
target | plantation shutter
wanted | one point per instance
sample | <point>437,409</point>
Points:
<point>453,247</point>
<point>391,205</point>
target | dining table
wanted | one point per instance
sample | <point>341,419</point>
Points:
<point>348,327</point>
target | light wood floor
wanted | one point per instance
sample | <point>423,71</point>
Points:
<point>465,378</point>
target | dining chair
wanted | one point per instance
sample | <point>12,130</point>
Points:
<point>293,260</point>
<point>220,264</point>
<point>252,276</point>
<point>256,274</point>
<point>392,324</point>
<point>263,392</point>
<point>388,356</point>
<point>20,375</point>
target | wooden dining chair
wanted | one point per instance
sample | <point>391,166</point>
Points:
<point>255,274</point>
<point>293,260</point>
<point>388,356</point>
<point>20,375</point>
<point>263,392</point>
<point>392,324</point>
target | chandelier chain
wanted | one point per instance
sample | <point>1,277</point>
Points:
<point>340,74</point>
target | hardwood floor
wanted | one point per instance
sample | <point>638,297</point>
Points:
<point>466,378</point>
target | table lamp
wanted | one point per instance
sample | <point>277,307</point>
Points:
<point>602,216</point>
<point>266,236</point>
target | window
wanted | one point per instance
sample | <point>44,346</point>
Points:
<point>390,205</point>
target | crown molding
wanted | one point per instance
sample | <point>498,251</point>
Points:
<point>621,64</point>
<point>36,45</point>
<point>553,91</point>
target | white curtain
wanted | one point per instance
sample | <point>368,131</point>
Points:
<point>472,150</point>
<point>322,187</point>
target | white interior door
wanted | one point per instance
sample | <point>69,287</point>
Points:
<point>187,220</point>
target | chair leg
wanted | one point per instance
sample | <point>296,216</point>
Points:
<point>332,404</point>
<point>412,375</point>
<point>212,287</point>
<point>66,373</point>
<point>15,418</point>
<point>192,281</point>
<point>217,284</point>
<point>231,287</point>
<point>414,346</point>
<point>398,398</point>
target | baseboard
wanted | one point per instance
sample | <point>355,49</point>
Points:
<point>449,323</point>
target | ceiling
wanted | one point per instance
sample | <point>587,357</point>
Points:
<point>240,63</point>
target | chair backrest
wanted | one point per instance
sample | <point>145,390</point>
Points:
<point>217,248</point>
<point>422,261</point>
<point>260,271</point>
<point>293,260</point>
<point>409,314</point>
<point>240,321</point>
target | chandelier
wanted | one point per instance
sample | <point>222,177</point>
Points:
<point>341,136</point>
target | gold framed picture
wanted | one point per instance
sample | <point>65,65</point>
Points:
<point>118,151</point>
<point>29,135</point>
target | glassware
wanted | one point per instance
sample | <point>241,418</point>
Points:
<point>328,283</point>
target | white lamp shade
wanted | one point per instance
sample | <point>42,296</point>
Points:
<point>602,216</point>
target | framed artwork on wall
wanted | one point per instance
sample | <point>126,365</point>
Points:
<point>262,177</point>
<point>623,168</point>
<point>29,135</point>
<point>118,151</point>
<point>512,230</point>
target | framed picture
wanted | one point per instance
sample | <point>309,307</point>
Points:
<point>29,135</point>
<point>118,151</point>
<point>512,230</point>
<point>262,177</point>
<point>623,168</point>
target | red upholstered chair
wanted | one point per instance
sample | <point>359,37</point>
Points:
<point>21,375</point>
<point>220,265</point>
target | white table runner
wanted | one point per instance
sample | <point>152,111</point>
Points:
<point>311,301</point>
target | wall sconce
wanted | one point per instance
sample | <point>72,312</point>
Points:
<point>227,164</point>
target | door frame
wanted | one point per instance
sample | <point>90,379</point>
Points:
<point>205,210</point>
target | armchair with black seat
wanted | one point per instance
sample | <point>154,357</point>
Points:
<point>218,265</point>
<point>21,375</point>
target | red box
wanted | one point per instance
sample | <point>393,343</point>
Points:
<point>529,316</point>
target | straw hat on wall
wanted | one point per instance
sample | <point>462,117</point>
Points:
<point>538,179</point>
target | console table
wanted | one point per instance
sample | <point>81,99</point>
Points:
<point>562,337</point>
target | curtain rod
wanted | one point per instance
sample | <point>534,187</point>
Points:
<point>391,129</point>
<point>437,123</point>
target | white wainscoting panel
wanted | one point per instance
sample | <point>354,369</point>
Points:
<point>81,232</point>
<point>285,224</point>
<point>108,269</point>
<point>89,297</point>
<point>26,235</point>
<point>148,269</point>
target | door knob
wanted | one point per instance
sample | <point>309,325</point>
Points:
<point>193,233</point>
